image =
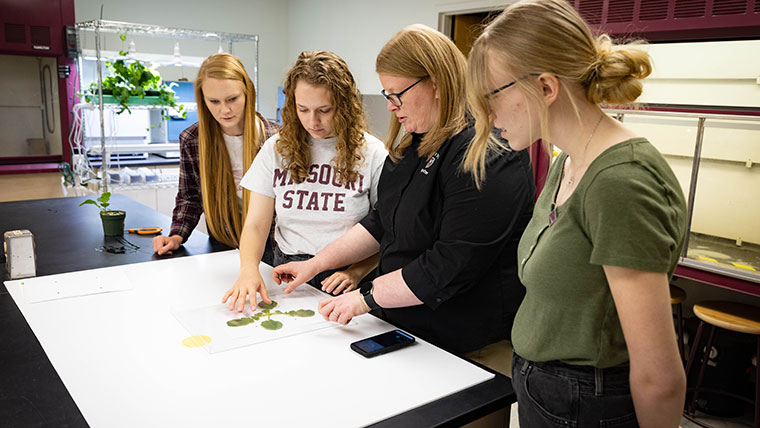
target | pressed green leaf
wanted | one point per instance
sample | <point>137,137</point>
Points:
<point>271,325</point>
<point>304,313</point>
<point>239,322</point>
<point>264,305</point>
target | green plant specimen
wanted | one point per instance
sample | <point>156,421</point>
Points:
<point>267,312</point>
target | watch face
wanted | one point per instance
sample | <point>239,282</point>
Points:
<point>368,291</point>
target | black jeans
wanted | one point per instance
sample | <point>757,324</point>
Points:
<point>268,256</point>
<point>281,258</point>
<point>555,394</point>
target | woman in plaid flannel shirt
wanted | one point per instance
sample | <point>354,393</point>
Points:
<point>215,153</point>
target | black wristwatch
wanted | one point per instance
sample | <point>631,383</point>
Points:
<point>369,299</point>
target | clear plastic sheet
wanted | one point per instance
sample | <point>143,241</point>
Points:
<point>293,314</point>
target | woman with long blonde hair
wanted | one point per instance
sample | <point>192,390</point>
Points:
<point>593,340</point>
<point>214,153</point>
<point>447,237</point>
<point>319,176</point>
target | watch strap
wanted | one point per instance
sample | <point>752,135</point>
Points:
<point>369,299</point>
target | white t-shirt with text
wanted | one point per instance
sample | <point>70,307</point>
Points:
<point>317,211</point>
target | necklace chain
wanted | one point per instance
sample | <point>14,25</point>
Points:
<point>585,147</point>
<point>553,211</point>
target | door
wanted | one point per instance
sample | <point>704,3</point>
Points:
<point>29,107</point>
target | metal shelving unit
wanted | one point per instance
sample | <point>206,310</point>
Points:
<point>101,27</point>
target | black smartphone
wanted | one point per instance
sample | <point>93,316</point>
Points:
<point>382,343</point>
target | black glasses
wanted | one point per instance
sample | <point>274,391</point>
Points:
<point>497,90</point>
<point>395,99</point>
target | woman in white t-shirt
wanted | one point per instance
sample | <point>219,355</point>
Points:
<point>318,176</point>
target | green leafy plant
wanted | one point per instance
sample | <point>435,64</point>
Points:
<point>102,202</point>
<point>131,78</point>
<point>267,312</point>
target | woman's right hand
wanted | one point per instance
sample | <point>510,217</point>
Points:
<point>295,273</point>
<point>166,244</point>
<point>248,284</point>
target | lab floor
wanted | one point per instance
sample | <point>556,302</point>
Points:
<point>716,422</point>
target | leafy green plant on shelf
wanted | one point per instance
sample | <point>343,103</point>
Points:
<point>131,78</point>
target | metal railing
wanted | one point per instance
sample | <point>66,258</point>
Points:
<point>701,117</point>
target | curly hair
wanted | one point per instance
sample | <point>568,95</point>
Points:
<point>220,202</point>
<point>323,68</point>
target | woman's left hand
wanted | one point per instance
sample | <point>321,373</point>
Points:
<point>343,308</point>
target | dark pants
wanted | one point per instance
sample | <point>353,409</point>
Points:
<point>554,394</point>
<point>268,256</point>
<point>281,258</point>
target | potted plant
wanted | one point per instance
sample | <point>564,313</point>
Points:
<point>113,220</point>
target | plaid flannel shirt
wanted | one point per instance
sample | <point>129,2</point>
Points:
<point>188,205</point>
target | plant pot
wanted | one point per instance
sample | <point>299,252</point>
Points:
<point>133,100</point>
<point>148,93</point>
<point>113,222</point>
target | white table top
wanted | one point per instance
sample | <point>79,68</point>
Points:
<point>120,355</point>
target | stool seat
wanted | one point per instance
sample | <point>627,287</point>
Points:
<point>733,316</point>
<point>677,295</point>
<point>730,316</point>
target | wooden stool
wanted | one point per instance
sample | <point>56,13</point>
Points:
<point>677,296</point>
<point>730,316</point>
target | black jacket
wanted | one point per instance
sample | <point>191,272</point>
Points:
<point>456,245</point>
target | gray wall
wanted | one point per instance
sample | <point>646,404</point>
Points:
<point>354,29</point>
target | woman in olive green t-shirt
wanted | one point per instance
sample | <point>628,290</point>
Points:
<point>594,340</point>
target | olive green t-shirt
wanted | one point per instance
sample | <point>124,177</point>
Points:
<point>628,210</point>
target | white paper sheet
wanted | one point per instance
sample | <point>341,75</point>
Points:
<point>75,284</point>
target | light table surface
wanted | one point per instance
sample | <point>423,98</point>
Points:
<point>35,392</point>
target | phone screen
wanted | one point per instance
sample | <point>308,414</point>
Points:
<point>382,343</point>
